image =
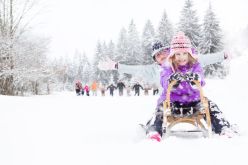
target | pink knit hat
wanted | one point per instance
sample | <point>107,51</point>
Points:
<point>181,43</point>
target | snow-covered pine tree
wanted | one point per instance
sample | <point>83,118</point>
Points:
<point>134,45</point>
<point>211,42</point>
<point>72,70</point>
<point>78,65</point>
<point>147,40</point>
<point>86,69</point>
<point>104,75</point>
<point>96,59</point>
<point>111,50</point>
<point>165,30</point>
<point>122,50</point>
<point>81,67</point>
<point>189,23</point>
<point>111,53</point>
<point>102,53</point>
<point>122,46</point>
<point>66,78</point>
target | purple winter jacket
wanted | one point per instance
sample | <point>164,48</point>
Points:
<point>184,93</point>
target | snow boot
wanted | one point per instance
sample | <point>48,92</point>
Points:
<point>154,136</point>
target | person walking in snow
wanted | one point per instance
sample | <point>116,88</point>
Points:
<point>102,89</point>
<point>155,89</point>
<point>111,88</point>
<point>180,63</point>
<point>94,87</point>
<point>146,89</point>
<point>78,87</point>
<point>87,90</point>
<point>136,88</point>
<point>128,89</point>
<point>120,87</point>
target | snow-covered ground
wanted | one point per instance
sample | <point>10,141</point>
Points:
<point>63,129</point>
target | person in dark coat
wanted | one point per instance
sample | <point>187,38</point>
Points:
<point>78,88</point>
<point>120,87</point>
<point>111,88</point>
<point>136,88</point>
<point>155,89</point>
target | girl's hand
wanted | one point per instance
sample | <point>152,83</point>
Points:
<point>178,77</point>
<point>190,77</point>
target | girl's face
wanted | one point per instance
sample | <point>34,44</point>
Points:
<point>161,57</point>
<point>182,58</point>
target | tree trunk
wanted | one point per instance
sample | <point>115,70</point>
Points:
<point>48,88</point>
<point>7,86</point>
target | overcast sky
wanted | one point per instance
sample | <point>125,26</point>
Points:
<point>79,24</point>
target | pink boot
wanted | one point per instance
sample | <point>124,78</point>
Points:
<point>154,136</point>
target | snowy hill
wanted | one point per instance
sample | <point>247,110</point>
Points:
<point>65,129</point>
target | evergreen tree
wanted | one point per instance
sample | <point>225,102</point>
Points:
<point>212,42</point>
<point>97,58</point>
<point>111,53</point>
<point>111,50</point>
<point>81,67</point>
<point>147,40</point>
<point>86,69</point>
<point>189,23</point>
<point>134,45</point>
<point>104,51</point>
<point>67,78</point>
<point>104,76</point>
<point>122,46</point>
<point>77,66</point>
<point>165,30</point>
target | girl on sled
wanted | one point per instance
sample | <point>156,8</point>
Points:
<point>179,63</point>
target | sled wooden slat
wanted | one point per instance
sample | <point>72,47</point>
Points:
<point>196,119</point>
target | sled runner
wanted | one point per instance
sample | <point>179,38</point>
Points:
<point>200,119</point>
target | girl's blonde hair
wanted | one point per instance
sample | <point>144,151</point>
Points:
<point>191,62</point>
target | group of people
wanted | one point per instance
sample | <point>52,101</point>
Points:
<point>177,62</point>
<point>120,86</point>
<point>80,89</point>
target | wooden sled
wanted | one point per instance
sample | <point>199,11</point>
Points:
<point>201,119</point>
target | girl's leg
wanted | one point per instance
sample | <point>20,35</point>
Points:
<point>155,123</point>
<point>217,118</point>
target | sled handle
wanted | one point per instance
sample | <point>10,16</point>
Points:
<point>204,102</point>
<point>167,101</point>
